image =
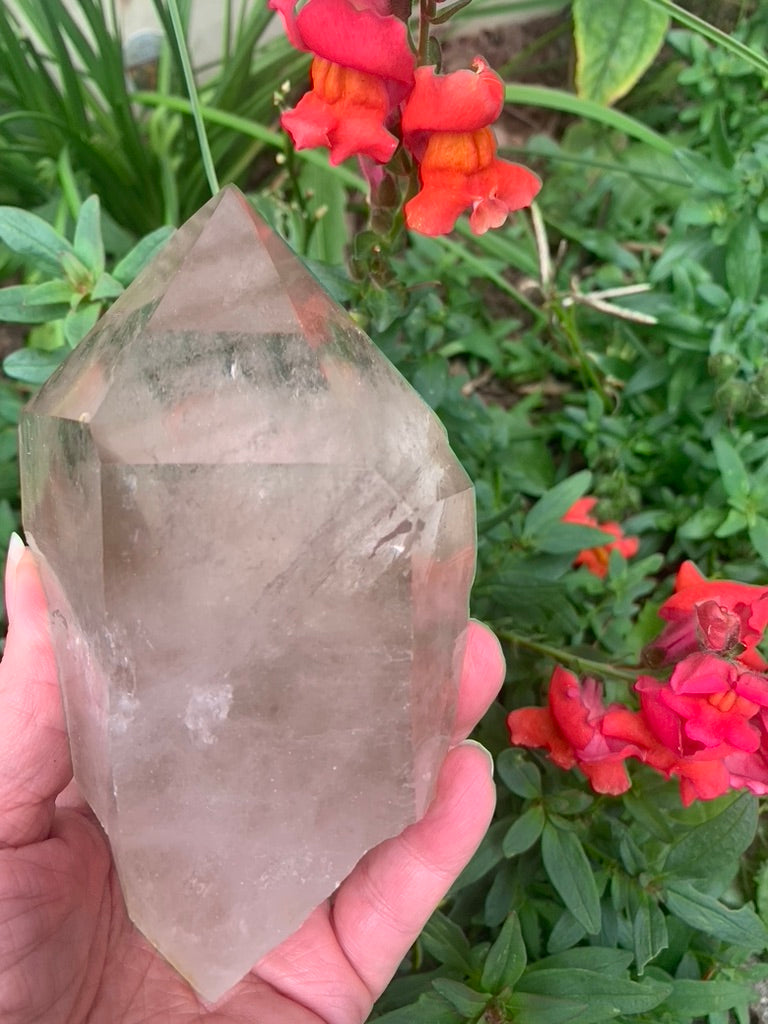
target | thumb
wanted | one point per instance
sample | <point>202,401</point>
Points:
<point>34,754</point>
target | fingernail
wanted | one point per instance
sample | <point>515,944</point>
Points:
<point>16,549</point>
<point>479,746</point>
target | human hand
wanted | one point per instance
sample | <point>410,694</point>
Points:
<point>70,955</point>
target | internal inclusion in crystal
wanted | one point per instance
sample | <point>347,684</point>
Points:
<point>257,549</point>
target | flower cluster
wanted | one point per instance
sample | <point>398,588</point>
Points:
<point>706,725</point>
<point>368,95</point>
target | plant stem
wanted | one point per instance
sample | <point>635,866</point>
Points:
<point>426,13</point>
<point>567,322</point>
<point>194,99</point>
<point>586,665</point>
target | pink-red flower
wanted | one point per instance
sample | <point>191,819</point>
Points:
<point>707,704</point>
<point>710,717</point>
<point>596,559</point>
<point>712,615</point>
<point>446,126</point>
<point>578,730</point>
<point>707,725</point>
<point>750,771</point>
<point>361,71</point>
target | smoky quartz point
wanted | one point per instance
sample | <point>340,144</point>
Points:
<point>257,549</point>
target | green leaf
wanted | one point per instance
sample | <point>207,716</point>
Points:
<point>569,802</point>
<point>733,472</point>
<point>468,1002</point>
<point>606,997</point>
<point>328,238</point>
<point>560,99</point>
<point>569,538</point>
<point>650,817</point>
<point>761,881</point>
<point>715,843</point>
<point>501,895</point>
<point>734,522</point>
<point>649,931</point>
<point>430,1008</point>
<point>33,239</point>
<point>431,379</point>
<point>16,307</point>
<point>88,243</point>
<point>506,958</point>
<point>79,321</point>
<point>488,855</point>
<point>566,933</point>
<point>705,174</point>
<point>571,874</point>
<point>107,287</point>
<point>615,44</point>
<point>553,505</point>
<point>743,259</point>
<point>142,254</point>
<point>519,775</point>
<point>740,927</point>
<point>54,292</point>
<point>758,534</point>
<point>702,524</point>
<point>10,404</point>
<point>524,832</point>
<point>446,942</point>
<point>690,999</point>
<point>604,959</point>
<point>527,1008</point>
<point>32,366</point>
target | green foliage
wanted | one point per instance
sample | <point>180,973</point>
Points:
<point>63,87</point>
<point>646,385</point>
<point>68,286</point>
<point>614,45</point>
<point>644,903</point>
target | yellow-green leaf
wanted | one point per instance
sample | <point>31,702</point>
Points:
<point>615,43</point>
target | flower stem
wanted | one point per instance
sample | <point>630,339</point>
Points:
<point>426,13</point>
<point>584,665</point>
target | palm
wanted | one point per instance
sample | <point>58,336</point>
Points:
<point>98,968</point>
<point>68,952</point>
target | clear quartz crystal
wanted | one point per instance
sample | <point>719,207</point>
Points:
<point>257,548</point>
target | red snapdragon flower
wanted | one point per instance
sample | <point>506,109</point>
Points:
<point>711,718</point>
<point>750,771</point>
<point>712,615</point>
<point>361,71</point>
<point>596,559</point>
<point>707,704</point>
<point>446,126</point>
<point>578,730</point>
